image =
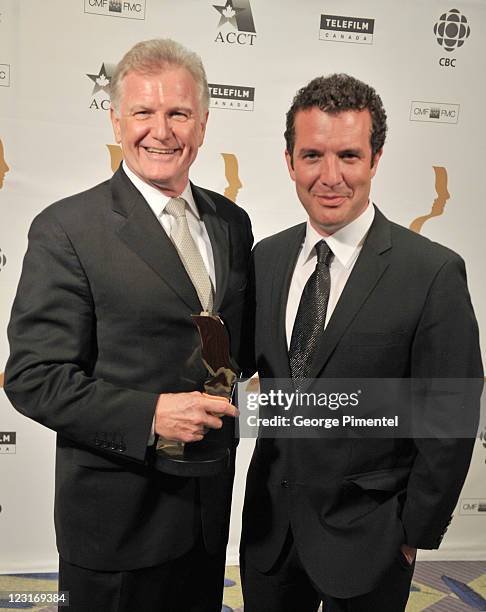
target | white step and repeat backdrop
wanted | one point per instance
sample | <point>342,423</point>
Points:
<point>426,59</point>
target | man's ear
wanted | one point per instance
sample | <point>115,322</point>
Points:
<point>115,122</point>
<point>290,164</point>
<point>376,159</point>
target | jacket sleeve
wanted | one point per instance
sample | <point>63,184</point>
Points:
<point>447,373</point>
<point>53,351</point>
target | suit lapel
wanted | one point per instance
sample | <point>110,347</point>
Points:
<point>370,266</point>
<point>218,232</point>
<point>143,234</point>
<point>281,278</point>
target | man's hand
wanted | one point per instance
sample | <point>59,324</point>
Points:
<point>186,417</point>
<point>409,553</point>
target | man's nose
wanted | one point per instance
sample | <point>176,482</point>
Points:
<point>330,172</point>
<point>160,128</point>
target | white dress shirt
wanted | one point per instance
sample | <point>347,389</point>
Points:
<point>346,244</point>
<point>158,201</point>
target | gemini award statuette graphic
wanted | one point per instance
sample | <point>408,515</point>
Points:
<point>439,203</point>
<point>208,457</point>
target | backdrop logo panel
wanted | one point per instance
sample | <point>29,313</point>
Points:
<point>473,507</point>
<point>116,8</point>
<point>436,112</point>
<point>236,23</point>
<point>232,97</point>
<point>8,442</point>
<point>337,28</point>
<point>100,94</point>
<point>5,75</point>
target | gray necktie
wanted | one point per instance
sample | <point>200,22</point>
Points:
<point>189,253</point>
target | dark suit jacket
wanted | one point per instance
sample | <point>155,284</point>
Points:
<point>405,312</point>
<point>100,327</point>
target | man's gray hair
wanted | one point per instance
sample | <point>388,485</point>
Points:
<point>151,56</point>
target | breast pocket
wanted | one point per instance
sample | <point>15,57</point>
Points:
<point>377,339</point>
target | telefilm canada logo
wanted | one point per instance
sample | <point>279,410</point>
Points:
<point>232,97</point>
<point>8,442</point>
<point>116,8</point>
<point>100,94</point>
<point>434,112</point>
<point>4,75</point>
<point>337,28</point>
<point>236,25</point>
<point>451,32</point>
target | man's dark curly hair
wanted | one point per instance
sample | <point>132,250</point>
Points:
<point>334,94</point>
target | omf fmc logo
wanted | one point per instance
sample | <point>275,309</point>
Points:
<point>236,24</point>
<point>101,87</point>
<point>134,9</point>
<point>232,97</point>
<point>5,75</point>
<point>436,112</point>
<point>337,28</point>
<point>451,30</point>
<point>8,442</point>
<point>472,507</point>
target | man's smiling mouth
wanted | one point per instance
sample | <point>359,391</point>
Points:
<point>161,151</point>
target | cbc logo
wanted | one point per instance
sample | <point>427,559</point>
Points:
<point>451,30</point>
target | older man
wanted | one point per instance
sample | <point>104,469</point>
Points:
<point>352,295</point>
<point>104,351</point>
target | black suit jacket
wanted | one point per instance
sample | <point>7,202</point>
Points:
<point>100,327</point>
<point>405,312</point>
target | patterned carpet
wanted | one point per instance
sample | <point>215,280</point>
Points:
<point>447,586</point>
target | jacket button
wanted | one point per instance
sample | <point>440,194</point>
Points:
<point>285,484</point>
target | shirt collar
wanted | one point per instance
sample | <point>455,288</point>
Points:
<point>345,241</point>
<point>155,198</point>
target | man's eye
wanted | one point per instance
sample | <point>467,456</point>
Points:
<point>310,155</point>
<point>141,114</point>
<point>180,116</point>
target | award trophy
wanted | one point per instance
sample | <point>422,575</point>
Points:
<point>208,457</point>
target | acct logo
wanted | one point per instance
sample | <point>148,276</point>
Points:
<point>236,23</point>
<point>337,28</point>
<point>101,88</point>
<point>8,442</point>
<point>233,97</point>
<point>435,112</point>
<point>4,75</point>
<point>116,8</point>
